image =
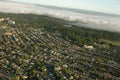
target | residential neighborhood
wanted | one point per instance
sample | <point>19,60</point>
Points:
<point>36,54</point>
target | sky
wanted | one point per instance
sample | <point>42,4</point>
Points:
<point>106,6</point>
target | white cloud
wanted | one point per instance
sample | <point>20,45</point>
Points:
<point>93,21</point>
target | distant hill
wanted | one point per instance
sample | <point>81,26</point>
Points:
<point>81,11</point>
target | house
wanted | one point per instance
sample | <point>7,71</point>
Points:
<point>88,47</point>
<point>8,33</point>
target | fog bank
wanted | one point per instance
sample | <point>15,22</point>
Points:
<point>109,23</point>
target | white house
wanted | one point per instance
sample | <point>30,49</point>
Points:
<point>88,47</point>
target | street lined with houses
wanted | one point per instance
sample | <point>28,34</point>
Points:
<point>36,54</point>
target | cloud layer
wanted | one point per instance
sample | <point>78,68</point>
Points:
<point>110,23</point>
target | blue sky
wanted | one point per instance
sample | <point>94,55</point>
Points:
<point>106,6</point>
